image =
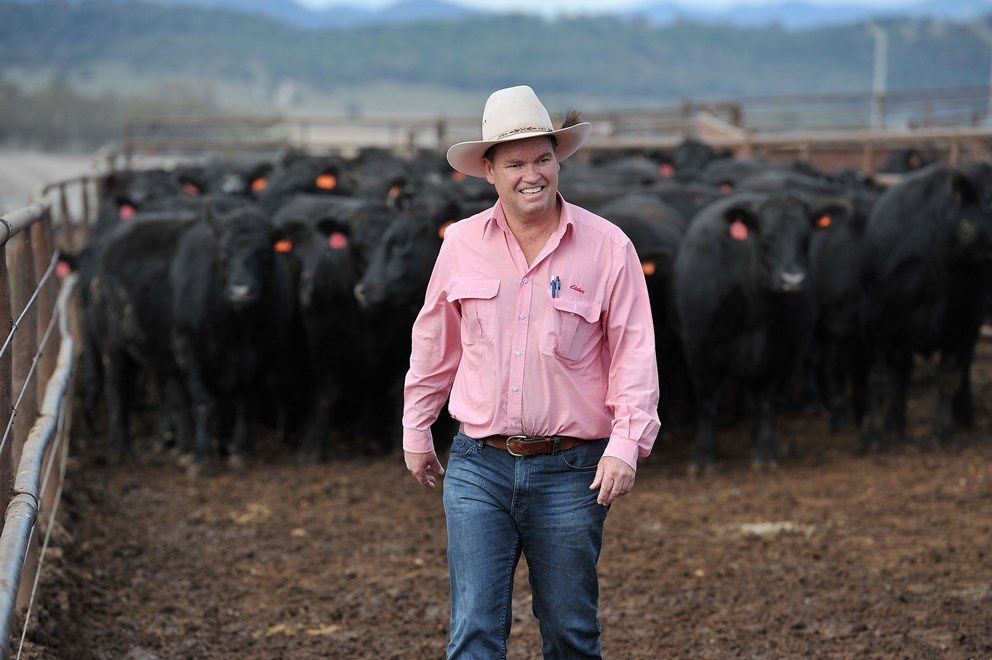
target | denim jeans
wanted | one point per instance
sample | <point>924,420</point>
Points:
<point>497,506</point>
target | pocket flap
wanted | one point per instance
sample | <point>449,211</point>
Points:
<point>587,310</point>
<point>479,289</point>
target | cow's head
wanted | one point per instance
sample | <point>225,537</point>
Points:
<point>246,246</point>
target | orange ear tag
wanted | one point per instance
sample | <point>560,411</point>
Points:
<point>259,184</point>
<point>667,171</point>
<point>738,230</point>
<point>648,267</point>
<point>283,246</point>
<point>191,189</point>
<point>457,176</point>
<point>823,222</point>
<point>726,187</point>
<point>327,181</point>
<point>337,240</point>
<point>443,228</point>
<point>395,191</point>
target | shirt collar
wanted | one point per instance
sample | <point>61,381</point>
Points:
<point>498,218</point>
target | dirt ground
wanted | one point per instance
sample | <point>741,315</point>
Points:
<point>832,556</point>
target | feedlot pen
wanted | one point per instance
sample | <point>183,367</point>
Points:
<point>887,556</point>
<point>833,555</point>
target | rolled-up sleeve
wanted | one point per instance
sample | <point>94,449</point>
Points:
<point>632,390</point>
<point>436,351</point>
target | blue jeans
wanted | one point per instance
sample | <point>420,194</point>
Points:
<point>497,506</point>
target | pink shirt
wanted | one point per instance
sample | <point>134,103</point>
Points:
<point>517,360</point>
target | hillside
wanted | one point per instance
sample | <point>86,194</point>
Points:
<point>613,61</point>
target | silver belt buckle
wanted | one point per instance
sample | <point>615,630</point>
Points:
<point>515,437</point>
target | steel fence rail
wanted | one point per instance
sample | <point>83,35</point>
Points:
<point>22,511</point>
<point>27,379</point>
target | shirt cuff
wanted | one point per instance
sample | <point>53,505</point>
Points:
<point>624,449</point>
<point>418,442</point>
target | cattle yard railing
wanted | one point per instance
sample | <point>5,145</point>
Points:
<point>36,364</point>
<point>847,129</point>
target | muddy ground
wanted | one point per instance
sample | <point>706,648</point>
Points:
<point>834,555</point>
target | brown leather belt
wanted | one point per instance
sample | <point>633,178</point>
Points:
<point>527,445</point>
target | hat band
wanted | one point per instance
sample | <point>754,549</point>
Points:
<point>523,129</point>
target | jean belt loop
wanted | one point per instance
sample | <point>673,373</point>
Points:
<point>554,444</point>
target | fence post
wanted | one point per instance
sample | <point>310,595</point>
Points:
<point>86,208</point>
<point>42,249</point>
<point>24,345</point>
<point>6,400</point>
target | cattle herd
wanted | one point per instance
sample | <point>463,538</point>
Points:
<point>281,293</point>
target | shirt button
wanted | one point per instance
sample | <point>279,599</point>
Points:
<point>522,317</point>
<point>525,280</point>
<point>515,389</point>
<point>517,354</point>
<point>516,423</point>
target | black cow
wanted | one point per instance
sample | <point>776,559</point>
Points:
<point>926,265</point>
<point>745,309</point>
<point>235,325</point>
<point>128,321</point>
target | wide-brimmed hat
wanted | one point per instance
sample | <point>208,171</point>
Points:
<point>514,113</point>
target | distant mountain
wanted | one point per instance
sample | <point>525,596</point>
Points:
<point>796,14</point>
<point>288,11</point>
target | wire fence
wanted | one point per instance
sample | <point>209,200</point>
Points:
<point>36,367</point>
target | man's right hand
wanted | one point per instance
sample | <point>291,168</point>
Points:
<point>423,466</point>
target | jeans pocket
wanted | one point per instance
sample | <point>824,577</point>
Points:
<point>585,457</point>
<point>462,445</point>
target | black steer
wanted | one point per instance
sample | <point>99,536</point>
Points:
<point>745,309</point>
<point>925,272</point>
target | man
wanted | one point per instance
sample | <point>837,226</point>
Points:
<point>537,321</point>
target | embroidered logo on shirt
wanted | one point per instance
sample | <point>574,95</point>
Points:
<point>576,287</point>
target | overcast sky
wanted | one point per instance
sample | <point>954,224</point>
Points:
<point>571,6</point>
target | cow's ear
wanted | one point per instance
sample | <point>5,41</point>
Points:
<point>741,221</point>
<point>828,213</point>
<point>963,189</point>
<point>338,233</point>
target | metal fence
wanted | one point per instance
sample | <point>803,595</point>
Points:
<point>36,367</point>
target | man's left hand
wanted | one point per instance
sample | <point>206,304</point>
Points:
<point>614,478</point>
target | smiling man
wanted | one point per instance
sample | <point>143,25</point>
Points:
<point>537,323</point>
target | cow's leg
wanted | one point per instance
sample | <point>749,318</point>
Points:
<point>204,403</point>
<point>242,437</point>
<point>703,452</point>
<point>834,390</point>
<point>765,452</point>
<point>177,406</point>
<point>964,402</point>
<point>115,379</point>
<point>901,368</point>
<point>322,407</point>
<point>879,388</point>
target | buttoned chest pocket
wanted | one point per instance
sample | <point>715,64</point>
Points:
<point>571,328</point>
<point>477,301</point>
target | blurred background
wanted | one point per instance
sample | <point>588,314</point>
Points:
<point>79,75</point>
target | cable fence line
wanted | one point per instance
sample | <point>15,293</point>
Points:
<point>26,503</point>
<point>34,316</point>
<point>30,374</point>
<point>34,296</point>
<point>61,442</point>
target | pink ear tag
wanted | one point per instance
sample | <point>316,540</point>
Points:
<point>337,240</point>
<point>63,269</point>
<point>738,230</point>
<point>126,212</point>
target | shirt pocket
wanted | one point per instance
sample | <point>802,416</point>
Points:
<point>477,301</point>
<point>571,327</point>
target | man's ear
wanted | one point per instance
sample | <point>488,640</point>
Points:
<point>486,163</point>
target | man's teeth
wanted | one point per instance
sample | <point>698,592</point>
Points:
<point>531,191</point>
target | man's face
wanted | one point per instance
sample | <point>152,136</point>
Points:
<point>525,173</point>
